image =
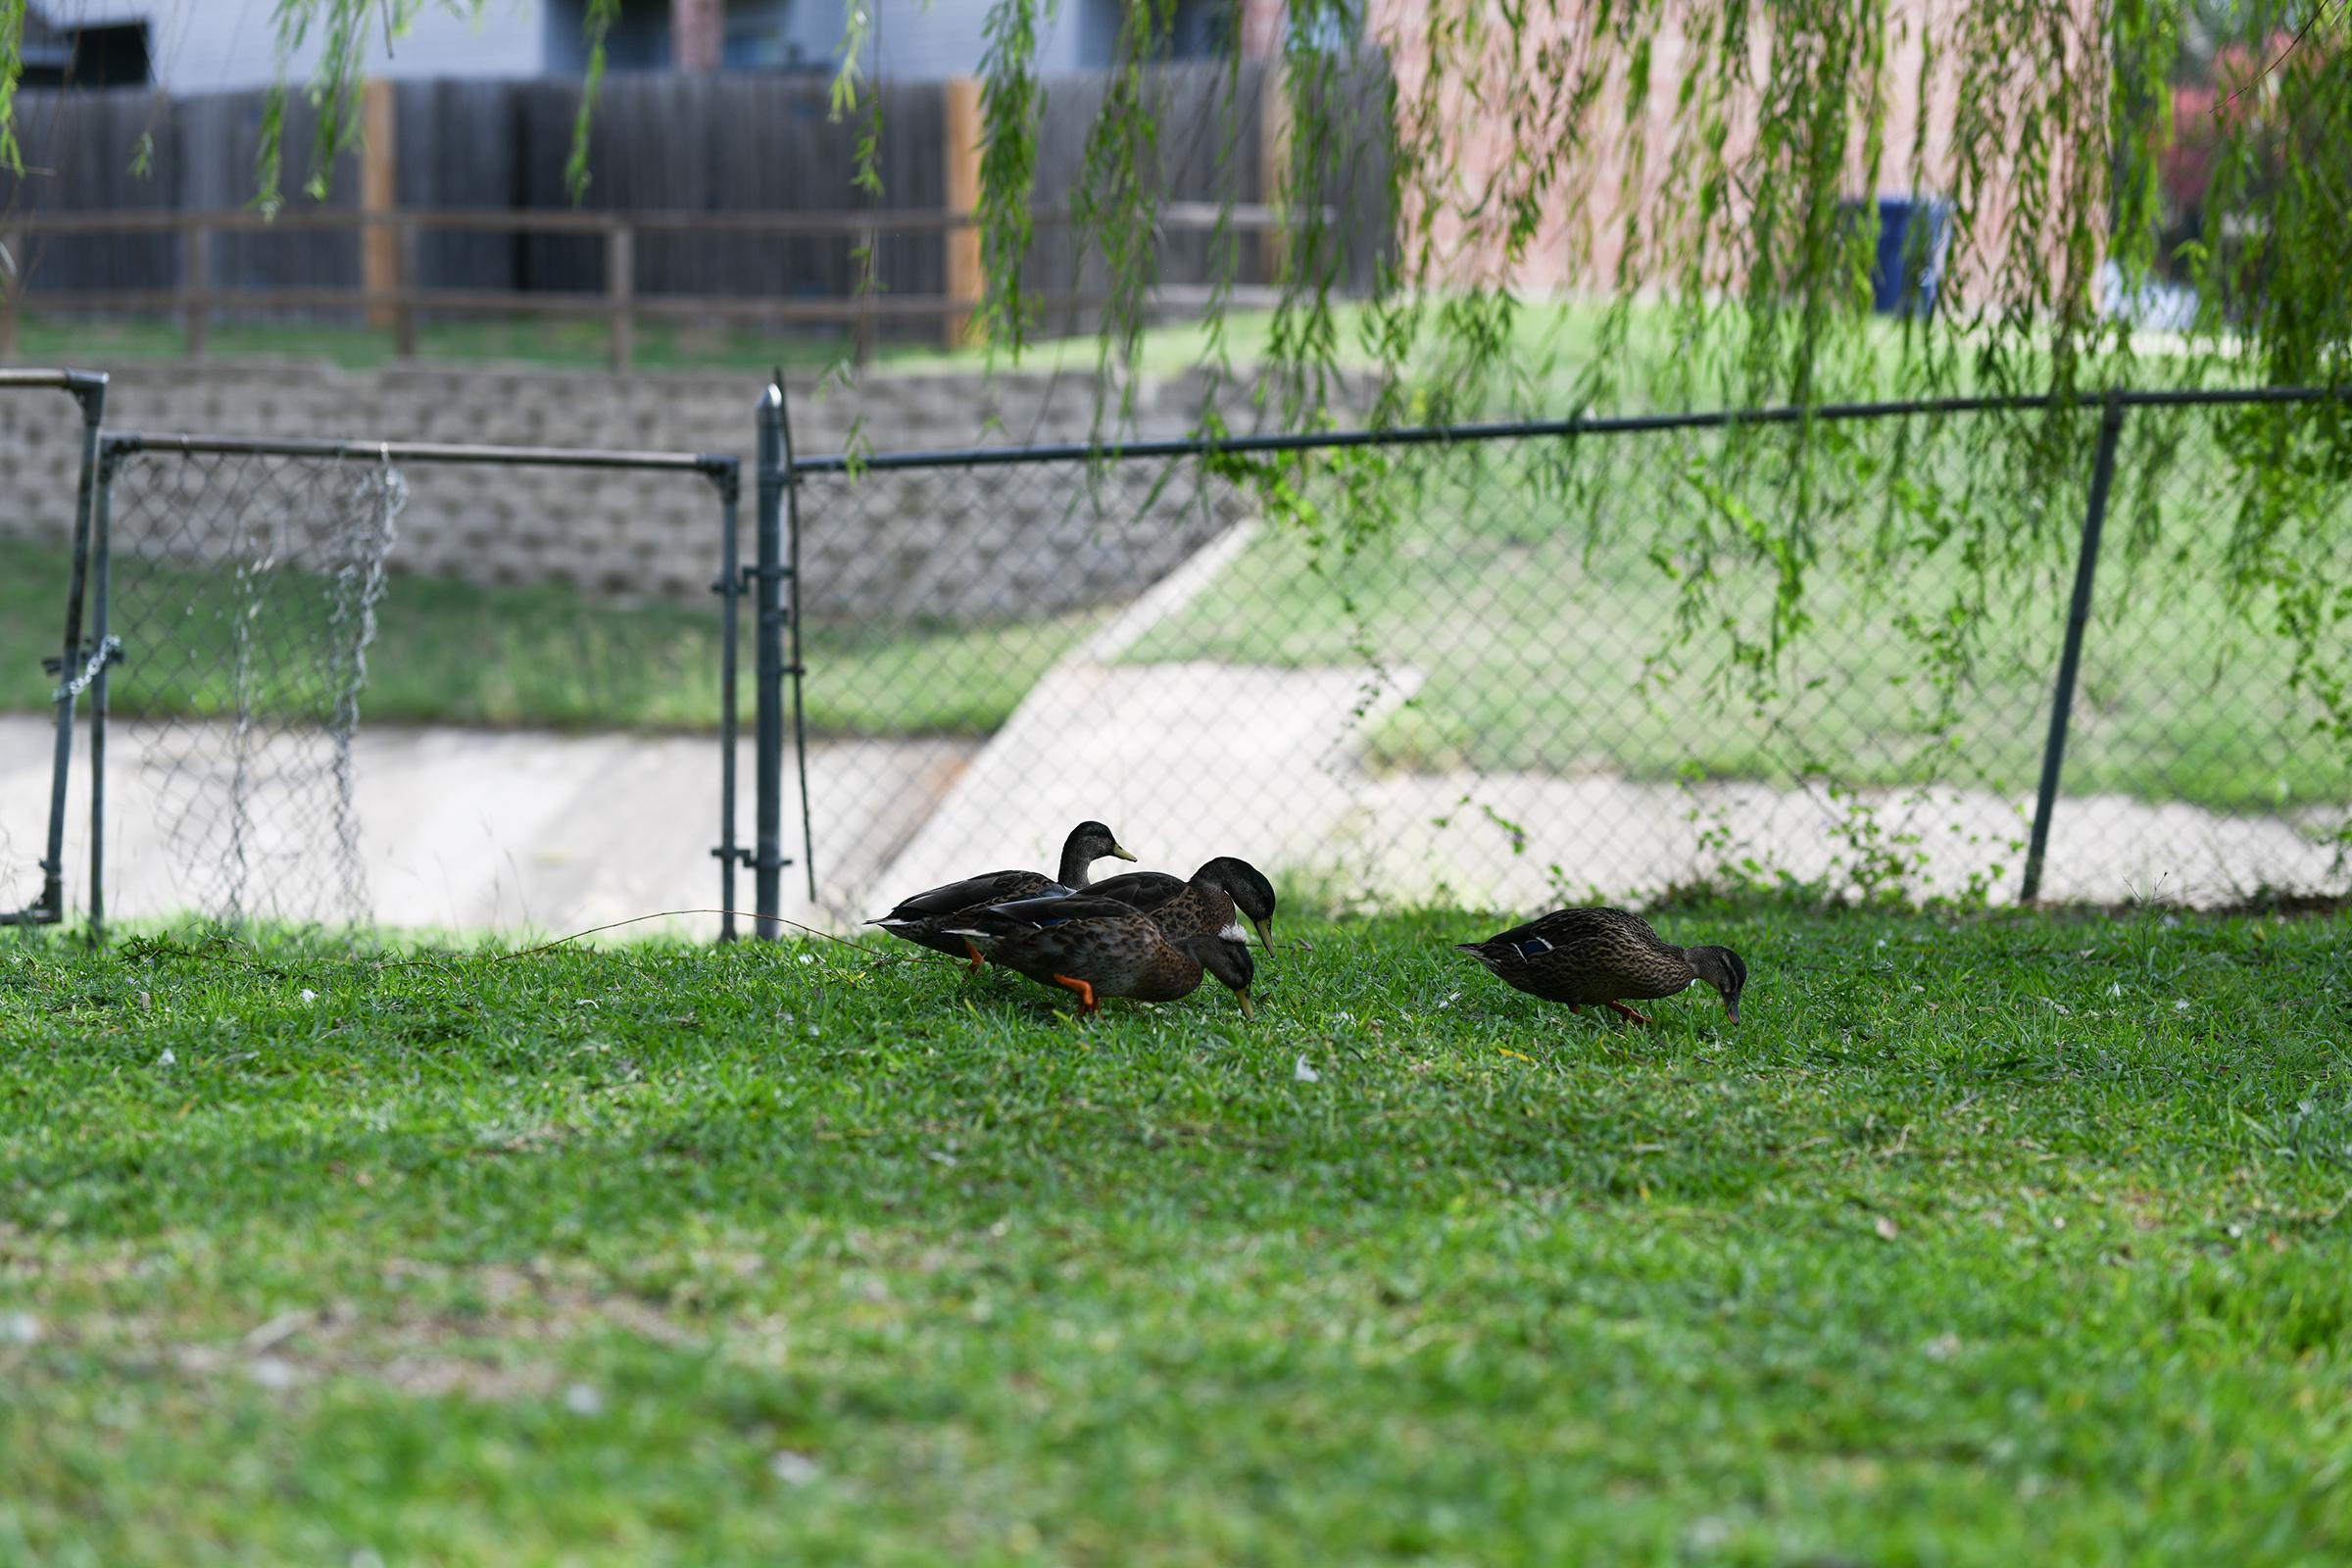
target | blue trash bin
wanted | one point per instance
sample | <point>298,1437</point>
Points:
<point>1895,288</point>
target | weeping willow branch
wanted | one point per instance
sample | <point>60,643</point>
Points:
<point>1012,104</point>
<point>602,16</point>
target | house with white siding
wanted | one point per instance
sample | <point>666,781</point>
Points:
<point>203,46</point>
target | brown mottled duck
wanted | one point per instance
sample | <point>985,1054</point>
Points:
<point>918,920</point>
<point>1201,905</point>
<point>1097,947</point>
<point>1600,957</point>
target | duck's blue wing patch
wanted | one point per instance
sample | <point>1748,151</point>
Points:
<point>1528,946</point>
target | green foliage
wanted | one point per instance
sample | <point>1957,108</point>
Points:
<point>601,17</point>
<point>1011,105</point>
<point>1115,206</point>
<point>334,90</point>
<point>1975,1242</point>
<point>11,70</point>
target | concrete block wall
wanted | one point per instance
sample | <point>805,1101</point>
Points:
<point>960,545</point>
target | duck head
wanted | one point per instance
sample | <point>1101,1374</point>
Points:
<point>1229,961</point>
<point>1723,969</point>
<point>1251,894</point>
<point>1088,843</point>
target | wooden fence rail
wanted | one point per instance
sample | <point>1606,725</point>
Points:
<point>388,292</point>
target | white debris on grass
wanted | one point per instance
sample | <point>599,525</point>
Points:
<point>793,1469</point>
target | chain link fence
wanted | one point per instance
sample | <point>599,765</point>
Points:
<point>1504,666</point>
<point>248,586</point>
<point>1612,659</point>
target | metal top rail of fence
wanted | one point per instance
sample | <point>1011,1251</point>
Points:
<point>721,467</point>
<point>1416,435</point>
<point>63,380</point>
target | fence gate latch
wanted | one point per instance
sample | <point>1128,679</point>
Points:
<point>93,660</point>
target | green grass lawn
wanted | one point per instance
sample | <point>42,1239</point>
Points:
<point>452,652</point>
<point>2017,1240</point>
<point>102,342</point>
<point>1552,346</point>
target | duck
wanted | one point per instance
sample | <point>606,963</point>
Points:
<point>1097,948</point>
<point>1202,905</point>
<point>1598,956</point>
<point>918,920</point>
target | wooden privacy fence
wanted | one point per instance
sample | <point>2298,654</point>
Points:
<point>733,197</point>
<point>390,294</point>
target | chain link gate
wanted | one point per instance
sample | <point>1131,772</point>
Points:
<point>242,580</point>
<point>80,660</point>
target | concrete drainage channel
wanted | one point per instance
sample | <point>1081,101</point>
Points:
<point>468,830</point>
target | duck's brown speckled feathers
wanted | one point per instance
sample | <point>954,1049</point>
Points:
<point>1600,958</point>
<point>918,920</point>
<point>1202,906</point>
<point>1096,946</point>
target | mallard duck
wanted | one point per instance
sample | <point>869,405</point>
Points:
<point>1101,947</point>
<point>917,920</point>
<point>1201,905</point>
<point>1597,956</point>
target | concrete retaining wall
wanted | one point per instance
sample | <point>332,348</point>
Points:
<point>971,545</point>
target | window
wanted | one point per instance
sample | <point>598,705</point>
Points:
<point>759,40</point>
<point>1201,29</point>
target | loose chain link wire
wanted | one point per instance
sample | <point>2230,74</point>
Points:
<point>245,593</point>
<point>98,659</point>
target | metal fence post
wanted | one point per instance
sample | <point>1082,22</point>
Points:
<point>101,590</point>
<point>796,669</point>
<point>767,605</point>
<point>2077,617</point>
<point>729,587</point>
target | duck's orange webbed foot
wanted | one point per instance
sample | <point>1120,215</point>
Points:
<point>1086,993</point>
<point>978,962</point>
<point>1637,1017</point>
